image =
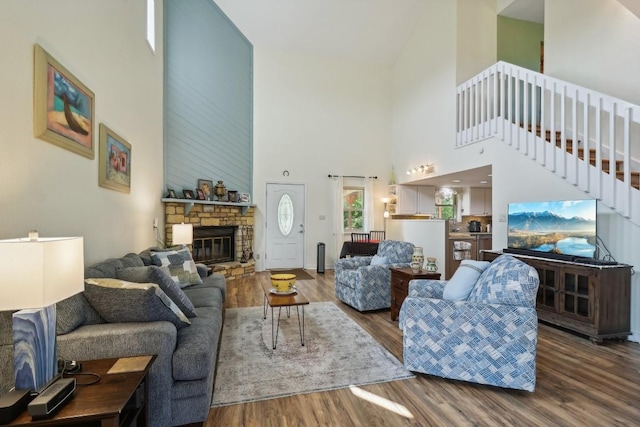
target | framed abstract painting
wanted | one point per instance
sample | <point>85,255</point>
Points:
<point>114,170</point>
<point>63,106</point>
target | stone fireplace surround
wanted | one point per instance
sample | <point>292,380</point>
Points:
<point>208,214</point>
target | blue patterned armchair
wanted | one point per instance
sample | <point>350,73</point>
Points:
<point>489,339</point>
<point>368,287</point>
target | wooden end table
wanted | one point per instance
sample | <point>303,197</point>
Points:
<point>118,399</point>
<point>400,278</point>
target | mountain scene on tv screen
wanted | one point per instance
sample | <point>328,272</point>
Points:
<point>552,232</point>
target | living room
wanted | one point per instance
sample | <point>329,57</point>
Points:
<point>333,108</point>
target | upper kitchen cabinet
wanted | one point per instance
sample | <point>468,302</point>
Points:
<point>414,200</point>
<point>477,202</point>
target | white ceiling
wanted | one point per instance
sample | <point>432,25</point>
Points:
<point>364,30</point>
<point>478,177</point>
<point>525,10</point>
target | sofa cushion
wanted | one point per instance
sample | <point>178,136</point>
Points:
<point>202,296</point>
<point>464,279</point>
<point>122,301</point>
<point>197,347</point>
<point>106,268</point>
<point>181,266</point>
<point>159,276</point>
<point>506,281</point>
<point>73,312</point>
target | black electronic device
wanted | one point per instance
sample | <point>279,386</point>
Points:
<point>52,398</point>
<point>13,404</point>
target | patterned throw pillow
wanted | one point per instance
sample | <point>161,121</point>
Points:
<point>182,268</point>
<point>120,301</point>
<point>160,276</point>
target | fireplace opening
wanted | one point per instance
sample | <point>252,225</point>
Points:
<point>212,245</point>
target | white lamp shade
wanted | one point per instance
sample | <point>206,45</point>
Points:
<point>182,234</point>
<point>41,272</point>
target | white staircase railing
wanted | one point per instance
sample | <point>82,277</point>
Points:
<point>594,138</point>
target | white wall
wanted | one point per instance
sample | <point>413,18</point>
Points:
<point>596,48</point>
<point>44,187</point>
<point>315,116</point>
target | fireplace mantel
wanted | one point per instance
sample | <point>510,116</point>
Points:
<point>188,204</point>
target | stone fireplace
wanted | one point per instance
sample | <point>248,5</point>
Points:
<point>220,233</point>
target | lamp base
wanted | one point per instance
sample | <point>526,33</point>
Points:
<point>35,361</point>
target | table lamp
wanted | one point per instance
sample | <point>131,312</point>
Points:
<point>36,274</point>
<point>182,234</point>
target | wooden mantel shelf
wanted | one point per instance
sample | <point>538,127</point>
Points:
<point>188,204</point>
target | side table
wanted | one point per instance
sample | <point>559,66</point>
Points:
<point>400,278</point>
<point>118,399</point>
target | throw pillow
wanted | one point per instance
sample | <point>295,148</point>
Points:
<point>120,301</point>
<point>160,276</point>
<point>464,279</point>
<point>379,260</point>
<point>182,268</point>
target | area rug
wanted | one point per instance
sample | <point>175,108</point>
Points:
<point>300,273</point>
<point>337,353</point>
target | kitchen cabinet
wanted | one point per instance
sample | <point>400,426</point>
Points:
<point>479,201</point>
<point>413,199</point>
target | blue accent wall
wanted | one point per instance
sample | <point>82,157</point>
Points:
<point>208,98</point>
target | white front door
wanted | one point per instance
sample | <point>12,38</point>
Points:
<point>285,226</point>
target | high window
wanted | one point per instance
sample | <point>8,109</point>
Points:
<point>151,24</point>
<point>353,198</point>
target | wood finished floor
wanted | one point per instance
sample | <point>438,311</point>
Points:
<point>578,383</point>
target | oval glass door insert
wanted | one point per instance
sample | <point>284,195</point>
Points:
<point>285,214</point>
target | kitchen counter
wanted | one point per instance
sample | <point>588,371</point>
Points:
<point>466,234</point>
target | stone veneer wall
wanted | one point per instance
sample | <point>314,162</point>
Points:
<point>202,215</point>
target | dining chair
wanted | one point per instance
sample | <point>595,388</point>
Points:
<point>360,237</point>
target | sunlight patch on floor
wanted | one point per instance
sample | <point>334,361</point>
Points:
<point>381,401</point>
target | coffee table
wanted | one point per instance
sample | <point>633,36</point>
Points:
<point>296,300</point>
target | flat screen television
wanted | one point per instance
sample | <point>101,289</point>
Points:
<point>564,229</point>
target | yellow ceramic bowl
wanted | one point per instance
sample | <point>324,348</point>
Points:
<point>283,282</point>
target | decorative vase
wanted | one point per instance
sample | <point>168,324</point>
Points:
<point>417,259</point>
<point>431,266</point>
<point>220,190</point>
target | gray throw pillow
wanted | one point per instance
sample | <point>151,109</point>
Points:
<point>160,276</point>
<point>182,268</point>
<point>120,301</point>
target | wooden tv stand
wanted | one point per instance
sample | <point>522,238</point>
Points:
<point>593,300</point>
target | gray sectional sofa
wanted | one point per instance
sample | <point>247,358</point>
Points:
<point>181,379</point>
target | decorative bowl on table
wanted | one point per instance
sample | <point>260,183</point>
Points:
<point>283,283</point>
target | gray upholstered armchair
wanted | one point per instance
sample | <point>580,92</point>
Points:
<point>364,282</point>
<point>488,338</point>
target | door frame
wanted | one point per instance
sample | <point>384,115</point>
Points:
<point>266,219</point>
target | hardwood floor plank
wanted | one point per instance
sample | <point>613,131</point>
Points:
<point>578,383</point>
